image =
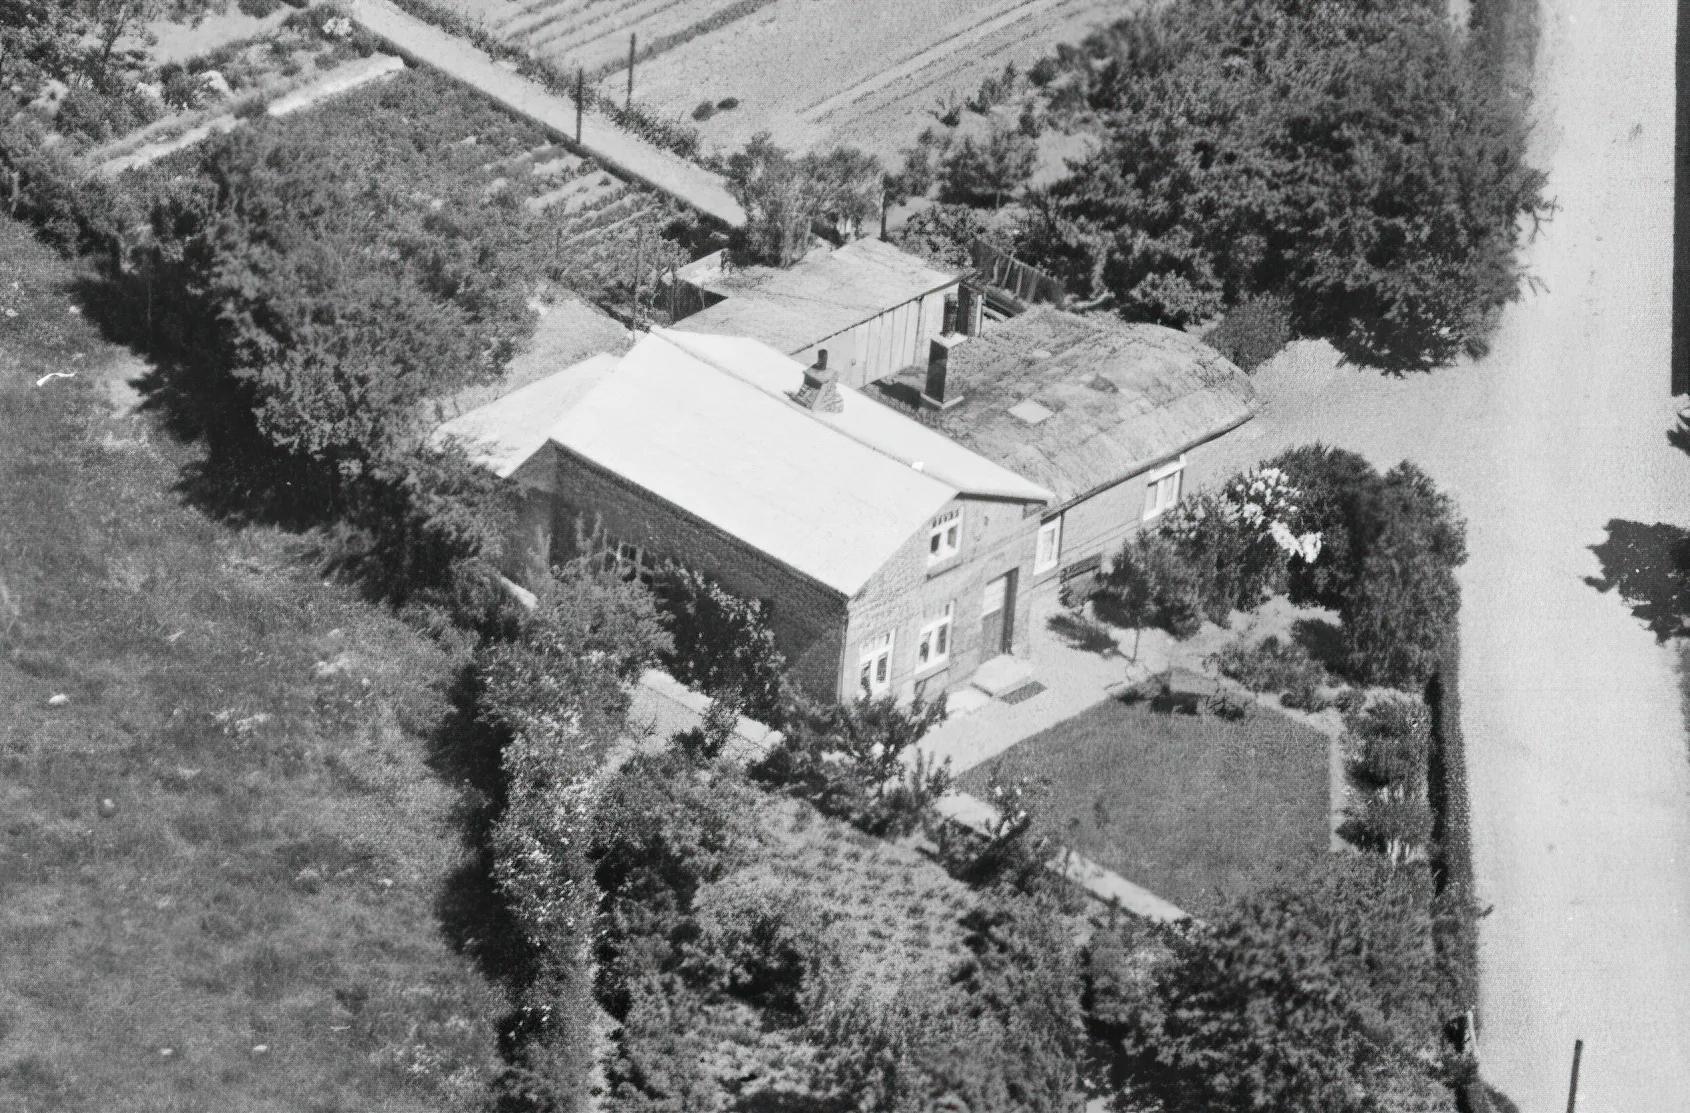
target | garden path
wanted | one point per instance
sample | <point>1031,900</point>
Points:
<point>621,152</point>
<point>1576,742</point>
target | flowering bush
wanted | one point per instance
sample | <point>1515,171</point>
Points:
<point>1241,539</point>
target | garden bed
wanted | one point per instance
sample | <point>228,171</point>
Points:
<point>1194,808</point>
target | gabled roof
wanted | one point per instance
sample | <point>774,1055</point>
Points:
<point>505,432</point>
<point>792,308</point>
<point>1076,403</point>
<point>864,420</point>
<point>750,463</point>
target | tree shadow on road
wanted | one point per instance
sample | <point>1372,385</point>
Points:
<point>1649,565</point>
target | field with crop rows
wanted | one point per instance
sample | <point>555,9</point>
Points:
<point>864,72</point>
<point>593,34</point>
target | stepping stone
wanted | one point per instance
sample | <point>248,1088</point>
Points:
<point>1001,675</point>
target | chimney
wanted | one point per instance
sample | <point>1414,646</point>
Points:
<point>820,391</point>
<point>969,305</point>
<point>935,397</point>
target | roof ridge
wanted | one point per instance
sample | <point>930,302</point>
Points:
<point>861,399</point>
<point>790,404</point>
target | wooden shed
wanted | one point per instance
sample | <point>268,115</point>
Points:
<point>870,306</point>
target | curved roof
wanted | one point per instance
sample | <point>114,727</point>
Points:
<point>1078,403</point>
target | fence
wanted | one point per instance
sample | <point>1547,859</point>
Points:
<point>1026,284</point>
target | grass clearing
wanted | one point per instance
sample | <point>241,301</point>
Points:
<point>1194,808</point>
<point>280,845</point>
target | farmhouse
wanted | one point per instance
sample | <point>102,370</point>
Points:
<point>873,307</point>
<point>1115,419</point>
<point>887,555</point>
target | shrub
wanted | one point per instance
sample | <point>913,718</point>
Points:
<point>1398,827</point>
<point>1014,851</point>
<point>1151,583</point>
<point>1253,332</point>
<point>662,829</point>
<point>1404,598</point>
<point>1270,665</point>
<point>763,945</point>
<point>943,234</point>
<point>706,741</point>
<point>1308,995</point>
<point>100,117</point>
<point>1333,485</point>
<point>704,111</point>
<point>722,645</point>
<point>848,760</point>
<point>557,698</point>
<point>727,104</point>
<point>1388,744</point>
<point>1002,1032</point>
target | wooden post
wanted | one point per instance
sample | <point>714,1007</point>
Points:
<point>1573,1087</point>
<point>883,212</point>
<point>631,38</point>
<point>639,263</point>
<point>580,100</point>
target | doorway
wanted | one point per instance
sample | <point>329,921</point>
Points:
<point>997,616</point>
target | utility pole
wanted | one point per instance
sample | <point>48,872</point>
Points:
<point>580,99</point>
<point>1573,1087</point>
<point>631,38</point>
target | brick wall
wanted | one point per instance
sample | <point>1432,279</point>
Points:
<point>907,594</point>
<point>808,618</point>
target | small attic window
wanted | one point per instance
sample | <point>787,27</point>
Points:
<point>1029,411</point>
<point>1103,385</point>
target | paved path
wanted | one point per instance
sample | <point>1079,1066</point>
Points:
<point>1577,746</point>
<point>624,154</point>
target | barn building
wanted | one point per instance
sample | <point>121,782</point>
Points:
<point>888,556</point>
<point>873,307</point>
<point>1117,420</point>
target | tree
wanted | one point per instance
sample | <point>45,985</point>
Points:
<point>38,39</point>
<point>784,196</point>
<point>849,761</point>
<point>1352,158</point>
<point>1308,996</point>
<point>990,170</point>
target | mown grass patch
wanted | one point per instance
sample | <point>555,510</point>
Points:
<point>1196,808</point>
<point>279,843</point>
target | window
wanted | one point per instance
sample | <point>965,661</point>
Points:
<point>1162,488</point>
<point>1050,546</point>
<point>934,648</point>
<point>945,538</point>
<point>876,675</point>
<point>624,557</point>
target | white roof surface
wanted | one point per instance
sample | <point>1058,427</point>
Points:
<point>864,420</point>
<point>724,449</point>
<point>508,430</point>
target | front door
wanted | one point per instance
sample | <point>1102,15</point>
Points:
<point>997,616</point>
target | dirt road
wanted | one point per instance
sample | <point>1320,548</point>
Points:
<point>1577,746</point>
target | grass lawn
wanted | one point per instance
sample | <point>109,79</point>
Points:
<point>1192,807</point>
<point>282,857</point>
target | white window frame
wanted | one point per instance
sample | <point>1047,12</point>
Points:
<point>874,672</point>
<point>1162,488</point>
<point>933,647</point>
<point>944,540</point>
<point>1044,559</point>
